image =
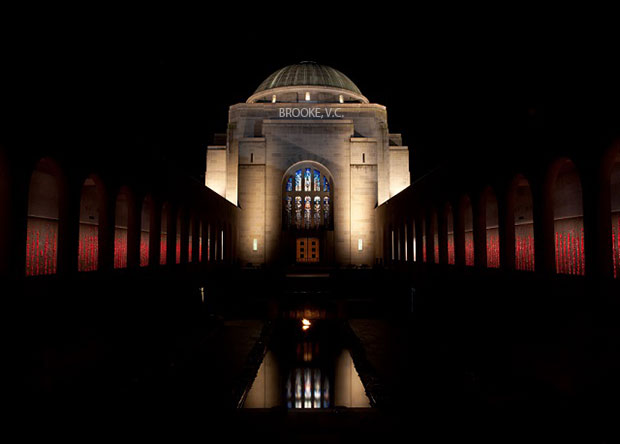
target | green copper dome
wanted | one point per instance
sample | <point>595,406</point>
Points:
<point>308,74</point>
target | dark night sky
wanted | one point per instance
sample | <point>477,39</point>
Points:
<point>164,92</point>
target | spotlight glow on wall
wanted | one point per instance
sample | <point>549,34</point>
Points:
<point>360,245</point>
<point>255,245</point>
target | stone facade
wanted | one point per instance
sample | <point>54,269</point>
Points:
<point>350,140</point>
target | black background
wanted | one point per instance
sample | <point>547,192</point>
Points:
<point>159,85</point>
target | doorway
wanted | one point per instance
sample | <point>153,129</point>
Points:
<point>307,249</point>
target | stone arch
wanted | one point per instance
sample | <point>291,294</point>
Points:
<point>567,208</point>
<point>491,227</point>
<point>192,235</point>
<point>92,211</point>
<point>43,216</point>
<point>467,216</point>
<point>146,219</point>
<point>295,194</point>
<point>178,236</point>
<point>521,222</point>
<point>163,233</point>
<point>609,207</point>
<point>450,227</point>
<point>122,213</point>
<point>432,237</point>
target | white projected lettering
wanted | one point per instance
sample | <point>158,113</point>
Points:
<point>310,113</point>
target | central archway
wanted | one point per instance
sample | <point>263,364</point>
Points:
<point>307,213</point>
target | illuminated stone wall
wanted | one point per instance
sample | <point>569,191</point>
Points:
<point>366,168</point>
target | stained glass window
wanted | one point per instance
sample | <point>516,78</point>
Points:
<point>303,211</point>
<point>298,180</point>
<point>288,205</point>
<point>298,211</point>
<point>307,178</point>
<point>307,211</point>
<point>317,211</point>
<point>326,212</point>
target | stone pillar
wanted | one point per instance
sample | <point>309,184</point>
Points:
<point>603,212</point>
<point>430,237</point>
<point>544,242</point>
<point>172,235</point>
<point>184,239</point>
<point>195,225</point>
<point>155,233</point>
<point>459,233</point>
<point>480,234</point>
<point>442,234</point>
<point>6,215</point>
<point>16,221</point>
<point>596,222</point>
<point>506,218</point>
<point>134,221</point>
<point>419,240</point>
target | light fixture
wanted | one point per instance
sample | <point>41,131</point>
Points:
<point>360,245</point>
<point>273,99</point>
<point>255,245</point>
<point>307,96</point>
<point>341,98</point>
<point>305,324</point>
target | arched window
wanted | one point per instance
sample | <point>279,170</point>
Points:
<point>42,225</point>
<point>307,199</point>
<point>145,230</point>
<point>492,229</point>
<point>450,230</point>
<point>524,225</point>
<point>568,220</point>
<point>468,225</point>
<point>121,216</point>
<point>88,248</point>
<point>163,238</point>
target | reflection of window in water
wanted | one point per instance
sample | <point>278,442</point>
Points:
<point>307,374</point>
<point>307,388</point>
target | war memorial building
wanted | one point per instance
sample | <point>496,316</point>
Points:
<point>308,158</point>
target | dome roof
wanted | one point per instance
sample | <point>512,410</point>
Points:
<point>308,74</point>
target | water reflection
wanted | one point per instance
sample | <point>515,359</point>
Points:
<point>311,389</point>
<point>307,370</point>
